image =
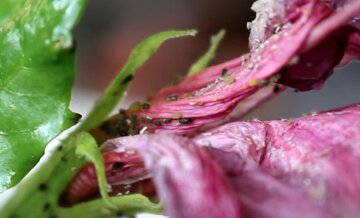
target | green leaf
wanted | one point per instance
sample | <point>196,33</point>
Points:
<point>205,59</point>
<point>117,88</point>
<point>38,194</point>
<point>36,75</point>
<point>8,8</point>
<point>52,174</point>
<point>127,206</point>
<point>90,150</point>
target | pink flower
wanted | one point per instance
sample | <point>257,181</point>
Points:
<point>203,165</point>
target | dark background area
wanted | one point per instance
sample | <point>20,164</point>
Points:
<point>109,30</point>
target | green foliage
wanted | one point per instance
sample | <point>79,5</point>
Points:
<point>36,77</point>
<point>38,194</point>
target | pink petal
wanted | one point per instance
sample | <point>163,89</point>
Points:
<point>189,183</point>
<point>317,155</point>
<point>217,99</point>
<point>325,46</point>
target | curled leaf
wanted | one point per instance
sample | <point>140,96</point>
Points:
<point>90,150</point>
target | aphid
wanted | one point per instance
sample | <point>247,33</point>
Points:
<point>185,120</point>
<point>157,122</point>
<point>46,206</point>
<point>172,97</point>
<point>275,78</point>
<point>223,72</point>
<point>145,105</point>
<point>177,115</point>
<point>134,107</point>
<point>228,79</point>
<point>262,83</point>
<point>106,127</point>
<point>116,166</point>
<point>43,187</point>
<point>189,94</point>
<point>276,89</point>
<point>148,120</point>
<point>127,79</point>
<point>133,120</point>
<point>166,120</point>
<point>294,60</point>
<point>200,103</point>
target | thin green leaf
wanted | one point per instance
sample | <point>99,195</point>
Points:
<point>209,55</point>
<point>90,150</point>
<point>117,88</point>
<point>127,206</point>
<point>36,76</point>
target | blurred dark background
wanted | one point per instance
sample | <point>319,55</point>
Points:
<point>109,30</point>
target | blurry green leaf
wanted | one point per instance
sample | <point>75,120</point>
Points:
<point>127,205</point>
<point>205,59</point>
<point>9,8</point>
<point>119,85</point>
<point>36,76</point>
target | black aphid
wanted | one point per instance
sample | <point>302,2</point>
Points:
<point>276,89</point>
<point>223,72</point>
<point>157,122</point>
<point>166,120</point>
<point>127,79</point>
<point>145,105</point>
<point>43,187</point>
<point>46,206</point>
<point>117,166</point>
<point>185,120</point>
<point>172,97</point>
